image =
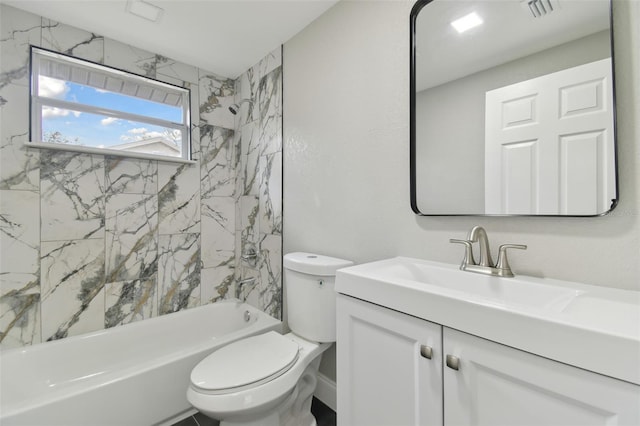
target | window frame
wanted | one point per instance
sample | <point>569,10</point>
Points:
<point>37,102</point>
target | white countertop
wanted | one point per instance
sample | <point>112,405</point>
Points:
<point>591,327</point>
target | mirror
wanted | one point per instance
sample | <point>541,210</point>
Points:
<point>515,115</point>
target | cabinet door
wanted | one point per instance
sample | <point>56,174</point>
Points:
<point>384,374</point>
<point>498,385</point>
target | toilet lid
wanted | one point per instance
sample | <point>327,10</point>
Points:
<point>254,359</point>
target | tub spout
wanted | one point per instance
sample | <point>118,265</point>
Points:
<point>242,283</point>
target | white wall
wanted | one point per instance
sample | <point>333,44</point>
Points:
<point>346,157</point>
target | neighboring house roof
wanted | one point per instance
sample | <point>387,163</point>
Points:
<point>157,145</point>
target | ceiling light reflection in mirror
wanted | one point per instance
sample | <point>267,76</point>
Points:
<point>467,22</point>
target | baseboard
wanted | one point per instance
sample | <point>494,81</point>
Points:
<point>326,391</point>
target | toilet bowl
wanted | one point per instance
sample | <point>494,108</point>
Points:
<point>269,379</point>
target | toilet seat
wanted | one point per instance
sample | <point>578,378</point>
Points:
<point>245,363</point>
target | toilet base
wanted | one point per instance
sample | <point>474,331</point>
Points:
<point>295,410</point>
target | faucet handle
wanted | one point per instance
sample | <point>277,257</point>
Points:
<point>504,269</point>
<point>468,252</point>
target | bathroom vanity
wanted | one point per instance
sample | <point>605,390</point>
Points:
<point>423,343</point>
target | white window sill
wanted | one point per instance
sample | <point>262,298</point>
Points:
<point>104,151</point>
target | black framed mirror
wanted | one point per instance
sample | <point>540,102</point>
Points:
<point>512,113</point>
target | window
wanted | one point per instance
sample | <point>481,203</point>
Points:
<point>76,104</point>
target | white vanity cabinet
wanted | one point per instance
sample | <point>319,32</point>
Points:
<point>383,379</point>
<point>385,374</point>
<point>499,385</point>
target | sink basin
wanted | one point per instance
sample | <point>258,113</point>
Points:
<point>574,323</point>
<point>522,292</point>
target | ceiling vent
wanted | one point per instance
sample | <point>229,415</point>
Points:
<point>540,8</point>
<point>144,10</point>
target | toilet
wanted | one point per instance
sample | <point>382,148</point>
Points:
<point>269,379</point>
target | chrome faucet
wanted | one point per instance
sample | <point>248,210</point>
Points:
<point>479,235</point>
<point>486,266</point>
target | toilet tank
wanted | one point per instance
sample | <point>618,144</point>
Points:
<point>309,281</point>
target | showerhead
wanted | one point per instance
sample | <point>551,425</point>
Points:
<point>235,108</point>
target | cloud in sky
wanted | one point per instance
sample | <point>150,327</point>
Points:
<point>52,88</point>
<point>150,135</point>
<point>52,112</point>
<point>57,89</point>
<point>138,131</point>
<point>108,120</point>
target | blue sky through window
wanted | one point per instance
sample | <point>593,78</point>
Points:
<point>82,128</point>
<point>102,131</point>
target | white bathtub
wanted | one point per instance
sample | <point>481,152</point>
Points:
<point>136,374</point>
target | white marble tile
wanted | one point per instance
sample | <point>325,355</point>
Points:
<point>218,231</point>
<point>131,229</point>
<point>72,41</point>
<point>270,62</point>
<point>179,198</point>
<point>218,283</point>
<point>19,166</point>
<point>19,320</point>
<point>72,281</point>
<point>237,163</point>
<point>19,231</point>
<point>216,96</point>
<point>247,96</point>
<point>178,272</point>
<point>72,195</point>
<point>271,275</point>
<point>216,162</point>
<point>249,221</point>
<point>236,98</point>
<point>238,244</point>
<point>270,101</point>
<point>130,176</point>
<point>166,67</point>
<point>271,194</point>
<point>129,58</point>
<point>250,150</point>
<point>19,283</point>
<point>18,30</point>
<point>130,301</point>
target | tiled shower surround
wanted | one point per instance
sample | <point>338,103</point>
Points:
<point>91,241</point>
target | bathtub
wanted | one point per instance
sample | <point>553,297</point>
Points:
<point>135,374</point>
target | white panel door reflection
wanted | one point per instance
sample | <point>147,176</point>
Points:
<point>556,160</point>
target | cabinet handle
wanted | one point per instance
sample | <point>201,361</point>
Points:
<point>426,351</point>
<point>453,362</point>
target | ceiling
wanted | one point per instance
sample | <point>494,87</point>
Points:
<point>226,37</point>
<point>509,32</point>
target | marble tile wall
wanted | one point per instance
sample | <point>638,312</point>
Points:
<point>259,182</point>
<point>89,241</point>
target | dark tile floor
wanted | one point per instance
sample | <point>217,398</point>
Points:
<point>324,415</point>
<point>197,419</point>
